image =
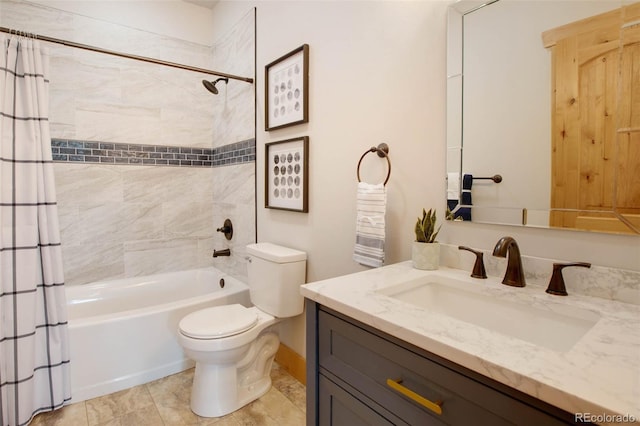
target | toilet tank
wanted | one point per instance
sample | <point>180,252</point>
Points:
<point>275,276</point>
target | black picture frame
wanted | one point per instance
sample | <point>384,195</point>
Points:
<point>287,174</point>
<point>287,89</point>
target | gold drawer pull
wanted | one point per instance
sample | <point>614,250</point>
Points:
<point>436,407</point>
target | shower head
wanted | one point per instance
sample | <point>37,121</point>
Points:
<point>211,85</point>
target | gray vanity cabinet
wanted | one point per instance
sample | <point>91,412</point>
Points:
<point>358,375</point>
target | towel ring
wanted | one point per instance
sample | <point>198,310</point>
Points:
<point>382,150</point>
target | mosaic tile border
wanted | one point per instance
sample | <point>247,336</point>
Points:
<point>78,151</point>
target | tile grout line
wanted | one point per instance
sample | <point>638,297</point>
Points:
<point>155,403</point>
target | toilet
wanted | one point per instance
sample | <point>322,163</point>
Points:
<point>234,346</point>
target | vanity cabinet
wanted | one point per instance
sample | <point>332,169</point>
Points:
<point>358,375</point>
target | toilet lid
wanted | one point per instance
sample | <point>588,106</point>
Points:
<point>218,322</point>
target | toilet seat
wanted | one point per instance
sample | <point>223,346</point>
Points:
<point>218,322</point>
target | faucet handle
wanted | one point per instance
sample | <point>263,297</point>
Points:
<point>478,267</point>
<point>226,229</point>
<point>556,284</point>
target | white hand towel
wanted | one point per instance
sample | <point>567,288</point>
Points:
<point>371,206</point>
<point>453,186</point>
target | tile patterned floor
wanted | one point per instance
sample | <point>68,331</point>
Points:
<point>165,402</point>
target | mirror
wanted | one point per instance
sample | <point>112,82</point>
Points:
<point>500,96</point>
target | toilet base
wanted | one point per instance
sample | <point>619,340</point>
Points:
<point>220,389</point>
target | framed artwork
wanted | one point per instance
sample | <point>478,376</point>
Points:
<point>287,174</point>
<point>287,89</point>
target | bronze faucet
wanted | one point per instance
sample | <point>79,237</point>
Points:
<point>556,284</point>
<point>223,252</point>
<point>514,276</point>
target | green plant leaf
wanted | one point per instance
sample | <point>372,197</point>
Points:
<point>420,232</point>
<point>425,228</point>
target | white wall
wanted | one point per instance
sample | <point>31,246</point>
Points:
<point>378,73</point>
<point>375,76</point>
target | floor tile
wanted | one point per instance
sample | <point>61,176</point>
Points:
<point>148,416</point>
<point>280,409</point>
<point>113,406</point>
<point>74,414</point>
<point>289,387</point>
<point>171,397</point>
<point>165,402</point>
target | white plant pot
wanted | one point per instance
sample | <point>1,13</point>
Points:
<point>425,255</point>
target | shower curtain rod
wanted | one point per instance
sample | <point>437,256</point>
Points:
<point>124,55</point>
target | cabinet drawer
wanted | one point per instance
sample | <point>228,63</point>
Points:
<point>371,363</point>
<point>339,406</point>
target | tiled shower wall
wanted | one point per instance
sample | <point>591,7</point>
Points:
<point>121,220</point>
<point>234,188</point>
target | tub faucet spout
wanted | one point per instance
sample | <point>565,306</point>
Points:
<point>507,247</point>
<point>223,252</point>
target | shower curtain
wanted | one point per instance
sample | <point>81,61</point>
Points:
<point>34,355</point>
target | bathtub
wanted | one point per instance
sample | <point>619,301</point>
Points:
<point>122,333</point>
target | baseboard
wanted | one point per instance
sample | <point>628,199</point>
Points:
<point>293,363</point>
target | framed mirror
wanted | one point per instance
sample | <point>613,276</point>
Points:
<point>530,141</point>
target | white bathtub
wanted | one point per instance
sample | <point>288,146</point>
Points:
<point>123,332</point>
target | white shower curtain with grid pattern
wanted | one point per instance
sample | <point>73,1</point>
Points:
<point>34,355</point>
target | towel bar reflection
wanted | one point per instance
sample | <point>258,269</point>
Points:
<point>383,152</point>
<point>495,178</point>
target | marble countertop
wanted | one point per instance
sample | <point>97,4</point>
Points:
<point>599,375</point>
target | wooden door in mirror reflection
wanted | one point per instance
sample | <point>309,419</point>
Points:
<point>596,122</point>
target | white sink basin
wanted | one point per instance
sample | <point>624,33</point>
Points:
<point>555,330</point>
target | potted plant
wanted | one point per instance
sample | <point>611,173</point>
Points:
<point>425,252</point>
